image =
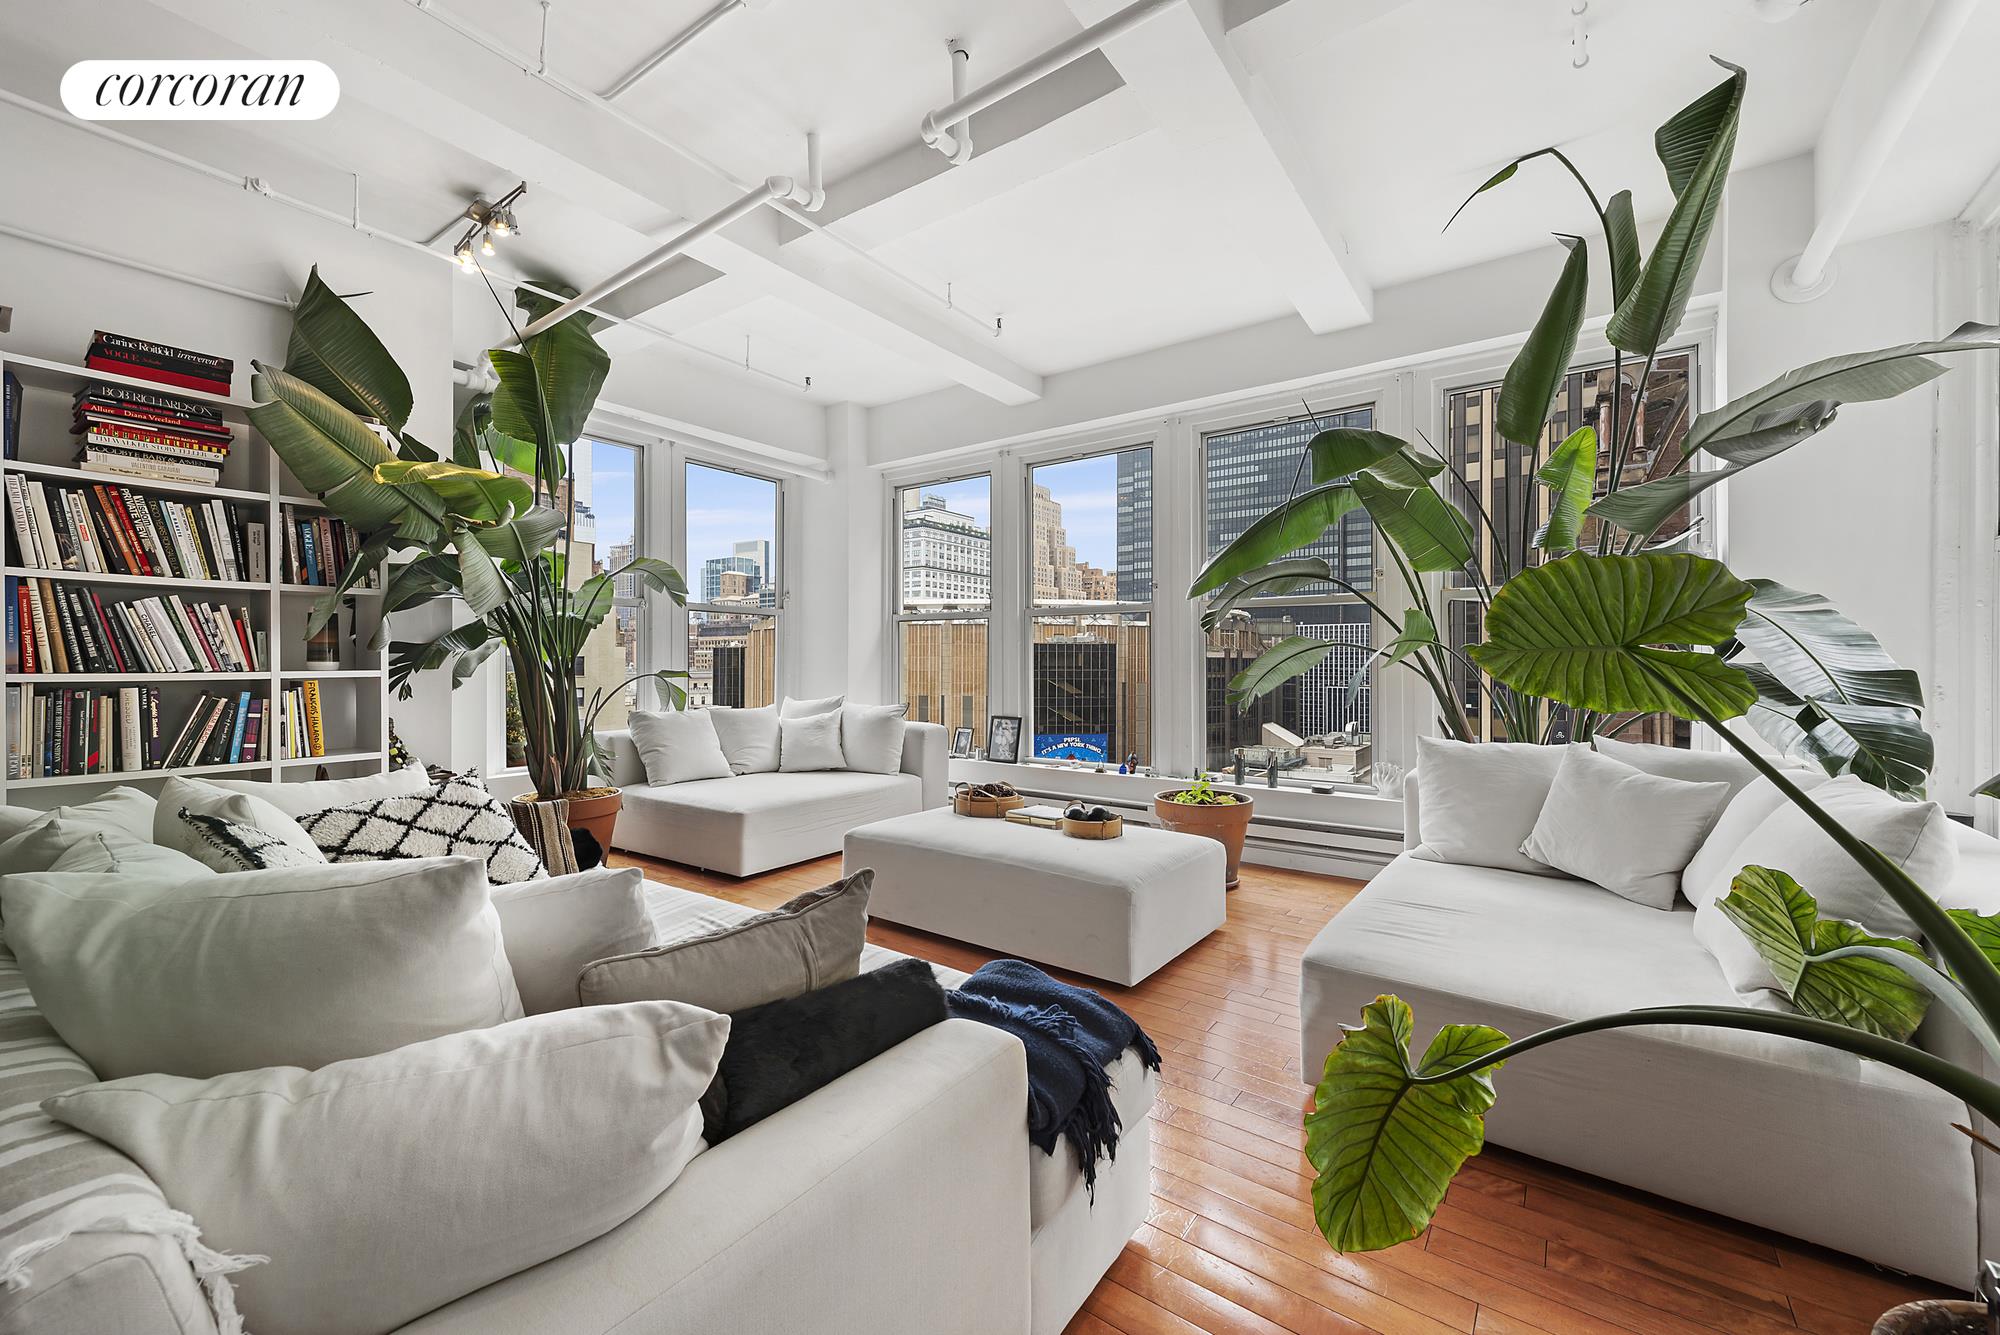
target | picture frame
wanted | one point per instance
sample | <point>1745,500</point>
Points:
<point>961,742</point>
<point>1003,738</point>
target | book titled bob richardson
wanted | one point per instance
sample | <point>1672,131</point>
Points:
<point>162,363</point>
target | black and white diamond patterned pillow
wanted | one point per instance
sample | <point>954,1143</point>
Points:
<point>458,818</point>
<point>225,845</point>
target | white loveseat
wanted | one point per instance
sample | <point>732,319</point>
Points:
<point>750,823</point>
<point>902,1199</point>
<point>1773,1131</point>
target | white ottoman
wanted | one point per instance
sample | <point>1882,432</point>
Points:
<point>1115,909</point>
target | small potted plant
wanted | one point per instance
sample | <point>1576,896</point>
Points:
<point>1200,808</point>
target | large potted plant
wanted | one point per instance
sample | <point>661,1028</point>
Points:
<point>1202,808</point>
<point>491,527</point>
<point>1585,493</point>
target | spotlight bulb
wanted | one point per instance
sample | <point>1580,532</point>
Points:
<point>486,245</point>
<point>503,224</point>
<point>465,260</point>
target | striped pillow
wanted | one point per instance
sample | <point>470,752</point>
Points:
<point>56,1182</point>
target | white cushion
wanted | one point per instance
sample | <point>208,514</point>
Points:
<point>224,845</point>
<point>1626,830</point>
<point>13,820</point>
<point>749,737</point>
<point>1480,800</point>
<point>109,851</point>
<point>1916,836</point>
<point>754,822</point>
<point>36,845</point>
<point>384,1187</point>
<point>555,926</point>
<point>299,967</point>
<point>1711,869</point>
<point>801,708</point>
<point>677,746</point>
<point>810,743</point>
<point>302,799</point>
<point>205,799</point>
<point>1675,762</point>
<point>871,737</point>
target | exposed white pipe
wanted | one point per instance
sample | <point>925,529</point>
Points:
<point>1807,276</point>
<point>963,310</point>
<point>679,40</point>
<point>774,187</point>
<point>956,142</point>
<point>934,128</point>
<point>256,185</point>
<point>142,266</point>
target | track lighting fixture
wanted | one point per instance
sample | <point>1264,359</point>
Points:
<point>488,219</point>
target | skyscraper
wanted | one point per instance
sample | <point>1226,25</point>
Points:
<point>947,557</point>
<point>1252,471</point>
<point>1135,526</point>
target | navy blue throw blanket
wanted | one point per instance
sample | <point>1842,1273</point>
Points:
<point>1071,1035</point>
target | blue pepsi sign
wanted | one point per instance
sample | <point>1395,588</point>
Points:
<point>1091,747</point>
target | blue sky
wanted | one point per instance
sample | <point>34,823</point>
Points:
<point>725,508</point>
<point>1087,490</point>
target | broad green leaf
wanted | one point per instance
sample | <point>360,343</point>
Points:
<point>1280,531</point>
<point>1984,929</point>
<point>474,494</point>
<point>1775,715</point>
<point>1882,745</point>
<point>1293,656</point>
<point>411,450</point>
<point>1603,633</point>
<point>480,582</point>
<point>1501,177</point>
<point>1430,533</point>
<point>333,350</point>
<point>333,454</point>
<point>1807,644</point>
<point>466,664</point>
<point>593,596</point>
<point>1418,633</point>
<point>365,560</point>
<point>417,582</point>
<point>1621,239</point>
<point>548,387</point>
<point>409,657</point>
<point>1278,577</point>
<point>473,420</point>
<point>1570,475</point>
<point>1695,146</point>
<point>1407,468</point>
<point>1344,451</point>
<point>1782,921</point>
<point>1384,1147</point>
<point>1991,788</point>
<point>1538,369</point>
<point>1856,377</point>
<point>1642,508</point>
<point>524,537</point>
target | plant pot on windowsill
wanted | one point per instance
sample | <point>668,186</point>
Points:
<point>1200,809</point>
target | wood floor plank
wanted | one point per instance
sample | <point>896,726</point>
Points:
<point>1229,1244</point>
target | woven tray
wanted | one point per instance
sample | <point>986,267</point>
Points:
<point>968,804</point>
<point>1094,829</point>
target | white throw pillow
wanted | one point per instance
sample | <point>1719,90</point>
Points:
<point>105,851</point>
<point>871,737</point>
<point>810,743</point>
<point>205,799</point>
<point>1916,836</point>
<point>1711,869</point>
<point>384,1187</point>
<point>749,737</point>
<point>13,820</point>
<point>678,746</point>
<point>266,968</point>
<point>36,846</point>
<point>458,818</point>
<point>803,708</point>
<point>554,927</point>
<point>1674,762</point>
<point>223,845</point>
<point>1622,828</point>
<point>1480,799</point>
<point>302,799</point>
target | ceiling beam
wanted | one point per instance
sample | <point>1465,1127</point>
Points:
<point>393,56</point>
<point>1269,32</point>
<point>1239,154</point>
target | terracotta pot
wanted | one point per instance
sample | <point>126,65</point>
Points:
<point>595,810</point>
<point>1947,1316</point>
<point>1225,824</point>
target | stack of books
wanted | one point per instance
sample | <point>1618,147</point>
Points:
<point>106,529</point>
<point>161,363</point>
<point>319,548</point>
<point>145,433</point>
<point>81,730</point>
<point>54,626</point>
<point>301,728</point>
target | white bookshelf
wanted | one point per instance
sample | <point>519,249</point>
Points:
<point>354,700</point>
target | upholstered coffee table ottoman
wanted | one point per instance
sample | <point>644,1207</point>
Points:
<point>1115,909</point>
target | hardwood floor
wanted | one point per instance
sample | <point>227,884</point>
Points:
<point>1520,1246</point>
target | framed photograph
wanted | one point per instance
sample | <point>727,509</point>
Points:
<point>1003,738</point>
<point>961,741</point>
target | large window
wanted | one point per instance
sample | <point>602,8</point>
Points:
<point>735,589</point>
<point>1090,582</point>
<point>1496,475</point>
<point>944,600</point>
<point>1317,727</point>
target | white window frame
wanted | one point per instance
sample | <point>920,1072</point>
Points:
<point>900,617</point>
<point>680,635</point>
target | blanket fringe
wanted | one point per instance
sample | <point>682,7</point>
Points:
<point>211,1267</point>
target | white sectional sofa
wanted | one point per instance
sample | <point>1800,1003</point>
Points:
<point>902,1199</point>
<point>751,823</point>
<point>1794,1137</point>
